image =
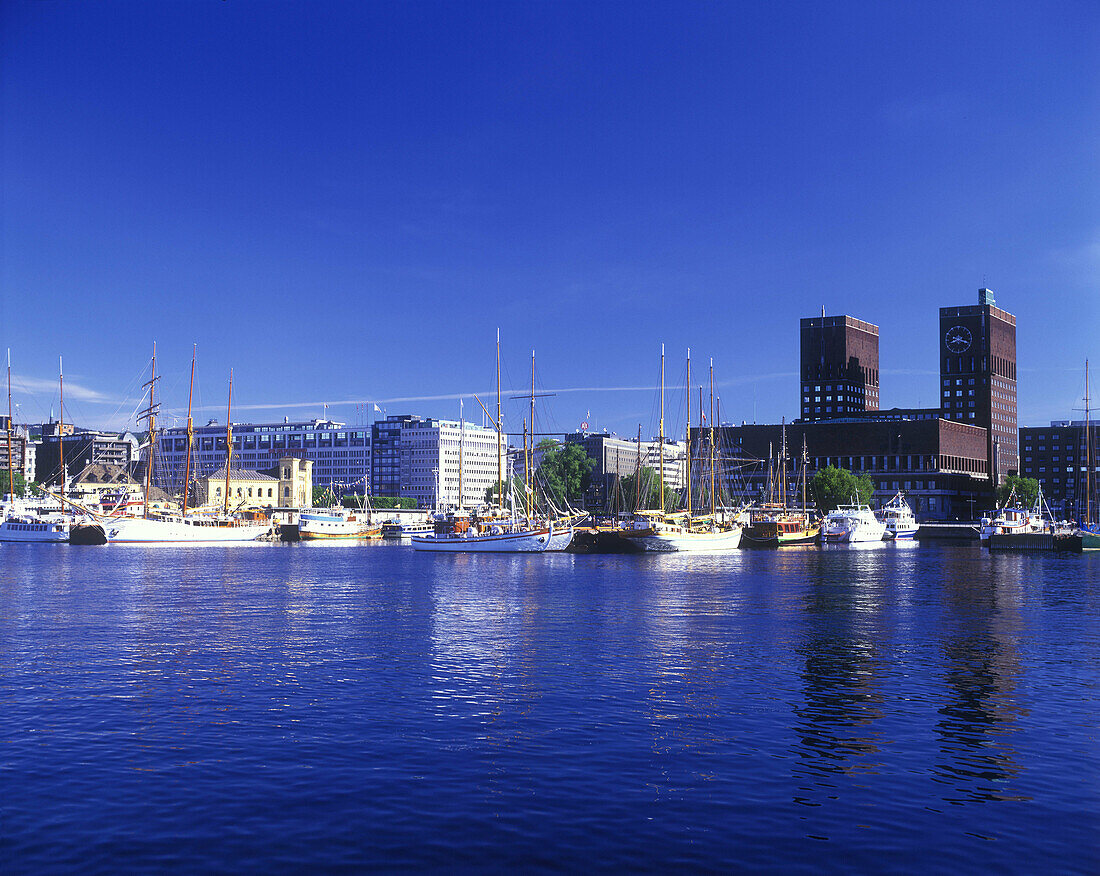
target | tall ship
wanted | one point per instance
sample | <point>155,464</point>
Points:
<point>499,532</point>
<point>192,528</point>
<point>852,523</point>
<point>685,530</point>
<point>777,524</point>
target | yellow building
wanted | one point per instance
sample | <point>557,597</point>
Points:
<point>289,485</point>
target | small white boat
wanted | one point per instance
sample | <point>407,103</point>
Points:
<point>852,523</point>
<point>899,519</point>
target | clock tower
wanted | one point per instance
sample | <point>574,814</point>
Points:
<point>978,376</point>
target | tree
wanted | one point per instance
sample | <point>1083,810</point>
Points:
<point>20,484</point>
<point>564,473</point>
<point>491,497</point>
<point>323,497</point>
<point>833,486</point>
<point>650,489</point>
<point>1027,491</point>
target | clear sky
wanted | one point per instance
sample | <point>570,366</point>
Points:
<point>343,201</point>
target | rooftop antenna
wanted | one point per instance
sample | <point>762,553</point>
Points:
<point>823,311</point>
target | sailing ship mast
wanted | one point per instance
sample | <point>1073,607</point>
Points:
<point>11,470</point>
<point>688,434</point>
<point>661,436</point>
<point>805,464</point>
<point>528,479</point>
<point>500,427</point>
<point>61,425</point>
<point>228,441</point>
<point>461,450</point>
<point>190,432</point>
<point>1088,452</point>
<point>151,415</point>
<point>711,440</point>
<point>783,465</point>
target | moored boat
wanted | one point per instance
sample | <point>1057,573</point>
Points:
<point>852,523</point>
<point>332,524</point>
<point>899,519</point>
<point>461,532</point>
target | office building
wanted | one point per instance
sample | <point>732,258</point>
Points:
<point>839,367</point>
<point>978,377</point>
<point>939,464</point>
<point>440,458</point>
<point>81,448</point>
<point>341,456</point>
<point>617,458</point>
<point>1055,456</point>
<point>385,476</point>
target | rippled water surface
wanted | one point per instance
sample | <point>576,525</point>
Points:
<point>316,707</point>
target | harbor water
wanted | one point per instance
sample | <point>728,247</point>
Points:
<point>316,707</point>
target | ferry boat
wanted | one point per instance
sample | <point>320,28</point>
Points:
<point>899,519</point>
<point>331,524</point>
<point>852,523</point>
<point>27,527</point>
<point>406,529</point>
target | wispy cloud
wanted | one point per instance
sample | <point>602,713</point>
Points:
<point>74,391</point>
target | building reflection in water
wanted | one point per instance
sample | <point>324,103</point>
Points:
<point>980,645</point>
<point>843,673</point>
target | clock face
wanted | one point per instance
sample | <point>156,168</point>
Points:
<point>958,339</point>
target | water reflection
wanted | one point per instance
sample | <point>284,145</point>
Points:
<point>843,671</point>
<point>982,627</point>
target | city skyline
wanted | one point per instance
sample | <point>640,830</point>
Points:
<point>343,204</point>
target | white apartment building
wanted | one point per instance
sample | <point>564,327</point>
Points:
<point>432,454</point>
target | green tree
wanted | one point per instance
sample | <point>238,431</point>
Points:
<point>323,497</point>
<point>649,492</point>
<point>20,485</point>
<point>564,473</point>
<point>1027,491</point>
<point>491,497</point>
<point>381,503</point>
<point>833,486</point>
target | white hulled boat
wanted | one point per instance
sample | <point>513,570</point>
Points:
<point>493,538</point>
<point>899,519</point>
<point>852,523</point>
<point>194,528</point>
<point>406,529</point>
<point>652,531</point>
<point>20,525</point>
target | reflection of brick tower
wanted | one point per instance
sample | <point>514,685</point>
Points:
<point>978,376</point>
<point>839,367</point>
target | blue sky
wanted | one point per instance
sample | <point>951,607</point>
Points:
<point>344,201</point>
